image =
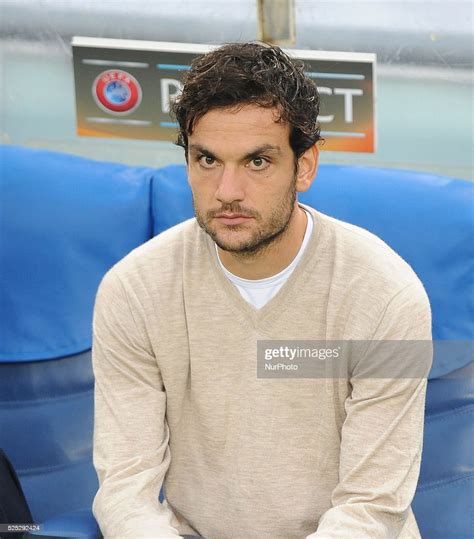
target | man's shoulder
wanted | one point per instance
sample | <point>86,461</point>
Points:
<point>363,255</point>
<point>159,256</point>
<point>366,281</point>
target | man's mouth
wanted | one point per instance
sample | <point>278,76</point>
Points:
<point>228,218</point>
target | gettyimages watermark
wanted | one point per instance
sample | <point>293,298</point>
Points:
<point>361,359</point>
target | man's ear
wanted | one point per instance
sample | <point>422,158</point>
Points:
<point>307,166</point>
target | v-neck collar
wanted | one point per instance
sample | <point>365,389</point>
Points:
<point>275,304</point>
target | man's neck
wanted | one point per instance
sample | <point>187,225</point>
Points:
<point>273,258</point>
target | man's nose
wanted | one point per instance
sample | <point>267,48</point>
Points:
<point>231,186</point>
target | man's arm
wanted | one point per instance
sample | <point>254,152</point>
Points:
<point>382,435</point>
<point>131,453</point>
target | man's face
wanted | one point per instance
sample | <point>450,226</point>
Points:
<point>241,169</point>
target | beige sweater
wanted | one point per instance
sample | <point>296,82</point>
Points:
<point>178,400</point>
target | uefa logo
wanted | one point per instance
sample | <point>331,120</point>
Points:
<point>117,92</point>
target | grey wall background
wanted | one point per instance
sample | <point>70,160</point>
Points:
<point>424,49</point>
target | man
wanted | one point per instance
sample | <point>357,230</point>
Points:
<point>177,324</point>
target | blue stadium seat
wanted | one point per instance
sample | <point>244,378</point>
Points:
<point>65,220</point>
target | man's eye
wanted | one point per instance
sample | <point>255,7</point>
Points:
<point>207,161</point>
<point>258,163</point>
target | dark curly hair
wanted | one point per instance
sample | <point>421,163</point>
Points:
<point>250,73</point>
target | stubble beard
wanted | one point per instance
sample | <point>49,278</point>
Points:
<point>267,235</point>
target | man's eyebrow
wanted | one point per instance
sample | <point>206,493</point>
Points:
<point>266,148</point>
<point>199,148</point>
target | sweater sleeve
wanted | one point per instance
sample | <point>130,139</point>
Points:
<point>131,452</point>
<point>382,434</point>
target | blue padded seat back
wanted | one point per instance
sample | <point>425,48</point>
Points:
<point>444,502</point>
<point>64,221</point>
<point>46,424</point>
<point>172,201</point>
<point>429,221</point>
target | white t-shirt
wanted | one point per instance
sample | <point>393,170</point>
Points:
<point>258,292</point>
